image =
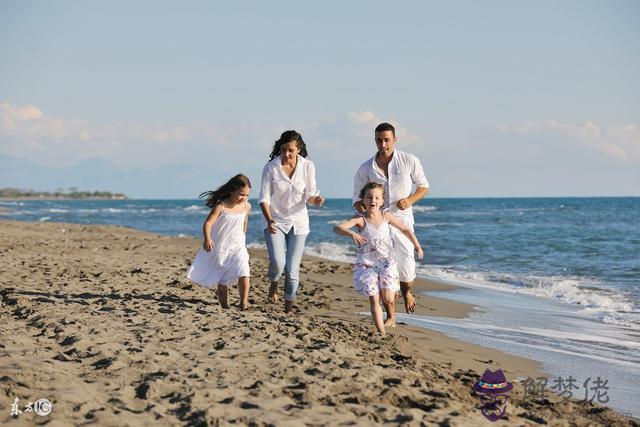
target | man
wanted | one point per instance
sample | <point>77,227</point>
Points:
<point>398,172</point>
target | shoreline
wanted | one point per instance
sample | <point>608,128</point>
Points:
<point>459,354</point>
<point>102,320</point>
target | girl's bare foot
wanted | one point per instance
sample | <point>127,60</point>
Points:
<point>273,293</point>
<point>222,296</point>
<point>390,323</point>
<point>244,306</point>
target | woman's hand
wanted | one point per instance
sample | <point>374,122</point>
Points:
<point>271,226</point>
<point>207,245</point>
<point>316,200</point>
<point>358,239</point>
<point>419,253</point>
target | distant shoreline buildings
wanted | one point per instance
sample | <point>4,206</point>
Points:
<point>71,193</point>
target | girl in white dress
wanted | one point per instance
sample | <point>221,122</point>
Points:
<point>375,272</point>
<point>224,259</point>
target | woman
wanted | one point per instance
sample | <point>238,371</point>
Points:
<point>288,185</point>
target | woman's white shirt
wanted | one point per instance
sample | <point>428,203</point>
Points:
<point>287,197</point>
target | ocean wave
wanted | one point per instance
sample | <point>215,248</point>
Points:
<point>421,208</point>
<point>437,224</point>
<point>604,304</point>
<point>332,251</point>
<point>330,212</point>
<point>44,218</point>
<point>113,210</point>
<point>195,208</point>
<point>56,210</point>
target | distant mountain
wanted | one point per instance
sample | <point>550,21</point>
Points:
<point>166,181</point>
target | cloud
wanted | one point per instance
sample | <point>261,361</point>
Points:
<point>28,132</point>
<point>336,144</point>
<point>366,121</point>
<point>621,142</point>
<point>28,123</point>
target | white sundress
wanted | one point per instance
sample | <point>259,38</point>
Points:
<point>229,259</point>
<point>375,268</point>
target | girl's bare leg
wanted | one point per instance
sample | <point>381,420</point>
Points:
<point>244,284</point>
<point>389,301</point>
<point>273,292</point>
<point>222,296</point>
<point>376,313</point>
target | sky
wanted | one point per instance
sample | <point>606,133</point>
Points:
<point>496,98</point>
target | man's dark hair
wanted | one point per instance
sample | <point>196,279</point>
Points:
<point>383,127</point>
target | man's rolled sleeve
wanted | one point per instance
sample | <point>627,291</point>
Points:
<point>417,174</point>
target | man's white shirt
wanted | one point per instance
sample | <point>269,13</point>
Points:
<point>404,170</point>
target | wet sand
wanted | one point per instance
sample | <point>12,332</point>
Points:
<point>102,321</point>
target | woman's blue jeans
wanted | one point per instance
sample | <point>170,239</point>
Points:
<point>285,254</point>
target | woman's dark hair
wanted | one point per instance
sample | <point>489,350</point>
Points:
<point>236,183</point>
<point>370,186</point>
<point>286,137</point>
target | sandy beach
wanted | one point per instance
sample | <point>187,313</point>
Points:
<point>102,321</point>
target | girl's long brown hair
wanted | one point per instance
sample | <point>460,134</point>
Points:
<point>234,184</point>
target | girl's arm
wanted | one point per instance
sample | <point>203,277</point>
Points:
<point>206,228</point>
<point>246,218</point>
<point>406,231</point>
<point>343,230</point>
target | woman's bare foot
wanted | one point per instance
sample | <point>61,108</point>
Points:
<point>273,293</point>
<point>288,307</point>
<point>244,306</point>
<point>390,323</point>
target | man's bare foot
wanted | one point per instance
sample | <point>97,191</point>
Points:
<point>390,323</point>
<point>273,293</point>
<point>409,302</point>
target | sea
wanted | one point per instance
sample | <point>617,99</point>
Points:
<point>556,280</point>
